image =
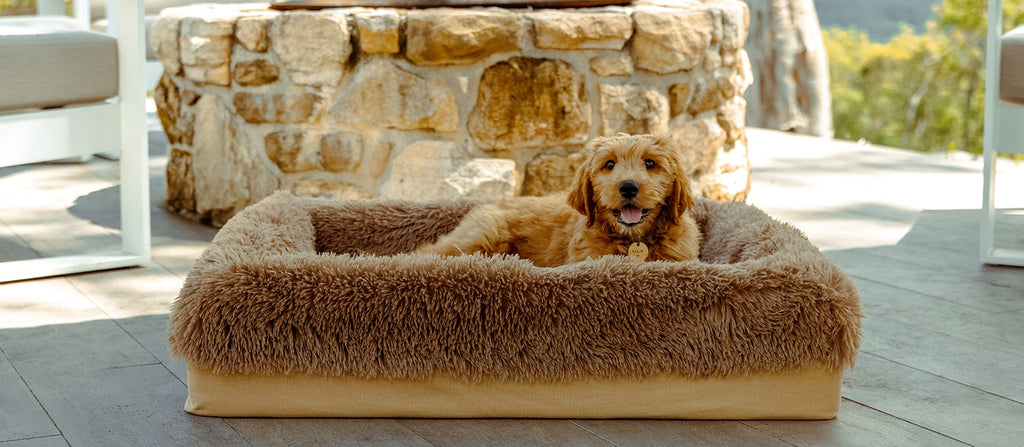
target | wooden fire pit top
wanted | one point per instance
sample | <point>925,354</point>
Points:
<point>411,4</point>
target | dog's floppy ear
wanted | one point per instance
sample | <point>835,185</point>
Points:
<point>681,198</point>
<point>581,196</point>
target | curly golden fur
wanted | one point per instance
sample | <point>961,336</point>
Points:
<point>630,188</point>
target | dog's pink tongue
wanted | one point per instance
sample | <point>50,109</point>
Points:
<point>631,215</point>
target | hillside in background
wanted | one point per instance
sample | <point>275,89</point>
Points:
<point>880,19</point>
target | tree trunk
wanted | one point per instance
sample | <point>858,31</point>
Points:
<point>787,56</point>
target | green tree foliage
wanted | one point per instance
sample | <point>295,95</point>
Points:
<point>919,91</point>
<point>16,7</point>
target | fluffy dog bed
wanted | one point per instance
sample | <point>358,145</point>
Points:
<point>313,308</point>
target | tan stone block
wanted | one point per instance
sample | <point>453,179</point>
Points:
<point>668,40</point>
<point>312,45</point>
<point>181,192</point>
<point>460,36</point>
<point>484,178</point>
<point>219,170</point>
<point>618,65</point>
<point>730,58</point>
<point>164,39</point>
<point>383,95</point>
<point>598,30</point>
<point>256,73</point>
<point>678,98</point>
<point>548,174</point>
<point>290,107</point>
<point>433,170</point>
<point>732,118</point>
<point>284,148</point>
<point>419,170</point>
<point>380,156</point>
<point>731,178</point>
<point>341,151</point>
<point>168,105</point>
<point>219,75</point>
<point>206,49</point>
<point>378,31</point>
<point>713,91</point>
<point>323,186</point>
<point>220,174</point>
<point>735,23</point>
<point>261,175</point>
<point>699,141</point>
<point>712,60</point>
<point>252,32</point>
<point>176,118</point>
<point>189,97</point>
<point>717,170</point>
<point>633,109</point>
<point>530,103</point>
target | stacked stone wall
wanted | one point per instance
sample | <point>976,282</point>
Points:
<point>440,103</point>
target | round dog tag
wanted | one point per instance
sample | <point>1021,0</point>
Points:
<point>638,250</point>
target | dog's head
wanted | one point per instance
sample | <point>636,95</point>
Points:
<point>631,183</point>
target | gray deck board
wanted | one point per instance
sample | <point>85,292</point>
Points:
<point>857,426</point>
<point>674,433</point>
<point>45,441</point>
<point>503,432</point>
<point>1000,332</point>
<point>335,432</point>
<point>85,362</point>
<point>974,293</point>
<point>24,417</point>
<point>958,411</point>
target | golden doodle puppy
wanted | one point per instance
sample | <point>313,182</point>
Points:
<point>630,197</point>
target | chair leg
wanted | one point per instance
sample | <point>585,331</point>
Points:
<point>134,163</point>
<point>988,210</point>
<point>990,254</point>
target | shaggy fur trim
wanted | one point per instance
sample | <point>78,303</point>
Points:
<point>295,285</point>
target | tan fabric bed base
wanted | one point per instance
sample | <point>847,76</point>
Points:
<point>809,393</point>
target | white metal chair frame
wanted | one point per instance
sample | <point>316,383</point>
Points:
<point>117,124</point>
<point>1004,132</point>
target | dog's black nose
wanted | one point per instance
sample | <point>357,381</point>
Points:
<point>629,189</point>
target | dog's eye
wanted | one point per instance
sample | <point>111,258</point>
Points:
<point>650,164</point>
<point>610,165</point>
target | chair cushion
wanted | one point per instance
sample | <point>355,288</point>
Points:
<point>54,63</point>
<point>1011,71</point>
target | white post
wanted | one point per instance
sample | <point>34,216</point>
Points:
<point>131,53</point>
<point>82,14</point>
<point>989,150</point>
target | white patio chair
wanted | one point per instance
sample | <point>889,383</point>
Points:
<point>67,92</point>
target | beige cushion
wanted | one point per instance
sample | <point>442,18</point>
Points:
<point>1011,71</point>
<point>54,63</point>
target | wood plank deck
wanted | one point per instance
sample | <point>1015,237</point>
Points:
<point>84,362</point>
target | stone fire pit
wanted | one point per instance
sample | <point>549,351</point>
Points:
<point>440,103</point>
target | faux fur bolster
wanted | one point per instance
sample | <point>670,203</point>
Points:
<point>294,285</point>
